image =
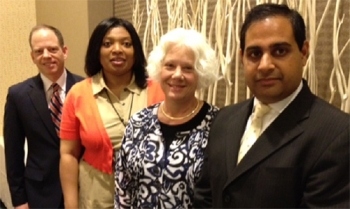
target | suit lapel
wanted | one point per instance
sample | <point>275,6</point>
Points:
<point>38,98</point>
<point>237,122</point>
<point>70,81</point>
<point>282,130</point>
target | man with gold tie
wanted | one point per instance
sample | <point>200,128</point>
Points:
<point>295,153</point>
<point>32,113</point>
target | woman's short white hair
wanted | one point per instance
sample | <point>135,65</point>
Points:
<point>206,63</point>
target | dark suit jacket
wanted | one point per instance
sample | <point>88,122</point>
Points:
<point>27,116</point>
<point>300,160</point>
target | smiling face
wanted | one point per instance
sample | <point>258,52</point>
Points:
<point>117,53</point>
<point>47,53</point>
<point>272,61</point>
<point>178,76</point>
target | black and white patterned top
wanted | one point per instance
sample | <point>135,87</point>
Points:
<point>150,174</point>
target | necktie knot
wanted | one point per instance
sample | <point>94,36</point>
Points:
<point>55,87</point>
<point>261,110</point>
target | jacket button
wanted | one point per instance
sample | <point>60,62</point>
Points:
<point>227,199</point>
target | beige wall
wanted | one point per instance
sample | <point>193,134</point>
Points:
<point>76,19</point>
<point>70,17</point>
<point>17,18</point>
<point>98,10</point>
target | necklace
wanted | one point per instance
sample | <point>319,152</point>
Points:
<point>115,110</point>
<point>179,118</point>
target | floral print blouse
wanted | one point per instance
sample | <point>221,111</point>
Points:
<point>149,175</point>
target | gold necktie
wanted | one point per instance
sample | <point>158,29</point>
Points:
<point>254,131</point>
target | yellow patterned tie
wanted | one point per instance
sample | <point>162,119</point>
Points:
<point>254,131</point>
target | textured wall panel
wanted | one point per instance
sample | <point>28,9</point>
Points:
<point>17,18</point>
<point>323,54</point>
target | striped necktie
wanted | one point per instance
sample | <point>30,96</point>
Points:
<point>55,107</point>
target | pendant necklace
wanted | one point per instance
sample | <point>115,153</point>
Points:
<point>115,110</point>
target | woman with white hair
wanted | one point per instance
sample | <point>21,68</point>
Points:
<point>163,147</point>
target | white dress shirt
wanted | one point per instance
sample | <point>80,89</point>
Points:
<point>276,109</point>
<point>61,81</point>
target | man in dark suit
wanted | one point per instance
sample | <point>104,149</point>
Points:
<point>301,158</point>
<point>36,183</point>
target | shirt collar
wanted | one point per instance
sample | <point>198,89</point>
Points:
<point>98,84</point>
<point>281,105</point>
<point>61,81</point>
